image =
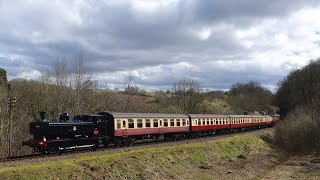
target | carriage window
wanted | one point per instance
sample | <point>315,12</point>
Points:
<point>178,122</point>
<point>208,121</point>
<point>155,122</point>
<point>212,121</point>
<point>165,122</point>
<point>184,122</point>
<point>123,123</point>
<point>139,123</point>
<point>187,122</point>
<point>131,123</point>
<point>172,122</point>
<point>147,122</point>
<point>160,122</point>
<point>118,124</point>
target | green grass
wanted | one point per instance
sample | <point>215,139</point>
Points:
<point>181,162</point>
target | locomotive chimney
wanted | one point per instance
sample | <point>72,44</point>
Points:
<point>43,115</point>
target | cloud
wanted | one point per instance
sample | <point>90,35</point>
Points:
<point>216,42</point>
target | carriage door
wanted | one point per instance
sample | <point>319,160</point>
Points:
<point>124,127</point>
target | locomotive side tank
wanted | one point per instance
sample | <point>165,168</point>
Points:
<point>55,136</point>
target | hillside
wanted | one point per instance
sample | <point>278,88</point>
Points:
<point>239,157</point>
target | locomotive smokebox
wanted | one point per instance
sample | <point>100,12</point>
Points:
<point>43,115</point>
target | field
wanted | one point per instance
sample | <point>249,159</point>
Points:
<point>239,157</point>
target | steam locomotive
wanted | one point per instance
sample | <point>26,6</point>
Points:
<point>118,129</point>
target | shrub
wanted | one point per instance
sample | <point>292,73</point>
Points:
<point>299,132</point>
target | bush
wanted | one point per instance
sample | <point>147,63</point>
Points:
<point>298,133</point>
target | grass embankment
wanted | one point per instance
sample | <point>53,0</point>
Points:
<point>193,161</point>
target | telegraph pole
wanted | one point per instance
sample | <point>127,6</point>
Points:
<point>11,103</point>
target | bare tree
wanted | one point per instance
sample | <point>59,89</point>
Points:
<point>83,86</point>
<point>187,93</point>
<point>129,85</point>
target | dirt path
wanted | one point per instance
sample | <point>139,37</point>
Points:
<point>296,168</point>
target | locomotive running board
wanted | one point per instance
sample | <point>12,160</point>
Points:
<point>75,147</point>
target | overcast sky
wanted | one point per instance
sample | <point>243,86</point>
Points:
<point>218,42</point>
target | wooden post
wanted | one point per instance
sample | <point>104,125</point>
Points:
<point>11,102</point>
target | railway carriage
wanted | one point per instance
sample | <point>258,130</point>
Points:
<point>209,123</point>
<point>240,121</point>
<point>146,125</point>
<point>269,121</point>
<point>258,121</point>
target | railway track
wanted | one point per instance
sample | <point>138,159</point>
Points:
<point>139,145</point>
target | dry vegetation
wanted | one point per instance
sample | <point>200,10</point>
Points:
<point>299,100</point>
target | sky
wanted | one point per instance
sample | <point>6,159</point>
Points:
<point>216,42</point>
